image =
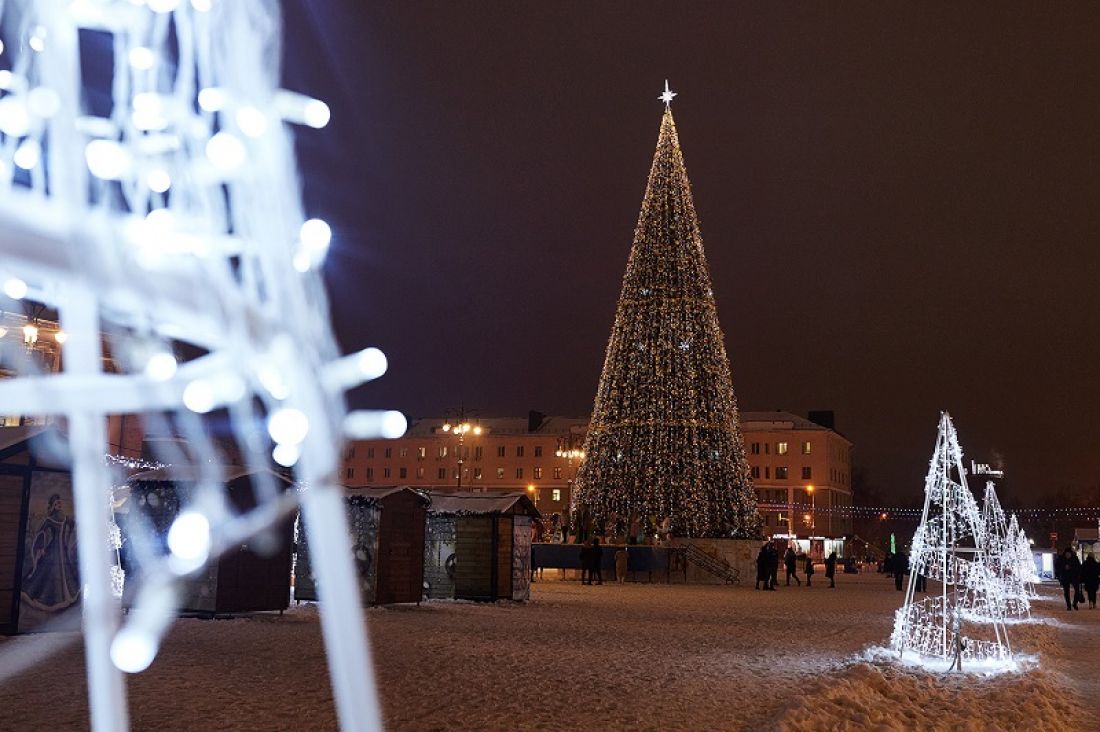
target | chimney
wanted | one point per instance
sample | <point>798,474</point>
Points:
<point>823,418</point>
<point>535,420</point>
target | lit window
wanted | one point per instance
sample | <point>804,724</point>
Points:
<point>537,473</point>
<point>402,472</point>
<point>519,473</point>
<point>806,448</point>
<point>455,476</point>
<point>538,450</point>
<point>807,472</point>
<point>555,495</point>
<point>781,473</point>
<point>404,452</point>
<point>443,451</point>
<point>781,448</point>
<point>557,473</point>
<point>477,473</point>
<point>421,452</point>
<point>500,473</point>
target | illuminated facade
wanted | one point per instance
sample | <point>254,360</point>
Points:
<point>786,454</point>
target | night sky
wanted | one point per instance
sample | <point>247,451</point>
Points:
<point>899,205</point>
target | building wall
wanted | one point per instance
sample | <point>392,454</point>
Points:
<point>508,458</point>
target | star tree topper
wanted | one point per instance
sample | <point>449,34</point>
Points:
<point>667,95</point>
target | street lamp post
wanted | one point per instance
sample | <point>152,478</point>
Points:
<point>813,508</point>
<point>460,429</point>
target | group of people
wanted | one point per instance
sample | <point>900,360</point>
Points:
<point>1072,573</point>
<point>767,567</point>
<point>592,559</point>
<point>898,566</point>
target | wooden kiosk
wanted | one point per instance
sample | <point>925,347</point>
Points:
<point>387,533</point>
<point>478,546</point>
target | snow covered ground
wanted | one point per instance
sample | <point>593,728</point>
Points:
<point>633,657</point>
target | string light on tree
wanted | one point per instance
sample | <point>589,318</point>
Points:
<point>664,441</point>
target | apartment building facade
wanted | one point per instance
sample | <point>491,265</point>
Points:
<point>539,455</point>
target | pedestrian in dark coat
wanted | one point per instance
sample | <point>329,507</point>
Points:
<point>901,568</point>
<point>595,560</point>
<point>830,569</point>
<point>790,560</point>
<point>1090,577</point>
<point>586,551</point>
<point>762,567</point>
<point>773,566</point>
<point>808,570</point>
<point>1067,569</point>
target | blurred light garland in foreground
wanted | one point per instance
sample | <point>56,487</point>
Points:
<point>149,193</point>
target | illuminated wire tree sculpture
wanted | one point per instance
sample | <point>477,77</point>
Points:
<point>948,547</point>
<point>1001,551</point>
<point>150,195</point>
<point>665,443</point>
<point>1022,559</point>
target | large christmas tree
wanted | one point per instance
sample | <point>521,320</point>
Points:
<point>664,442</point>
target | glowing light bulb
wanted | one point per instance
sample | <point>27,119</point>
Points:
<point>158,180</point>
<point>316,114</point>
<point>198,396</point>
<point>30,334</point>
<point>3,332</point>
<point>107,159</point>
<point>189,541</point>
<point>372,363</point>
<point>15,288</point>
<point>288,426</point>
<point>315,235</point>
<point>37,41</point>
<point>394,424</point>
<point>61,336</point>
<point>251,121</point>
<point>286,455</point>
<point>14,120</point>
<point>211,99</point>
<point>132,651</point>
<point>142,58</point>
<point>27,154</point>
<point>161,366</point>
<point>226,152</point>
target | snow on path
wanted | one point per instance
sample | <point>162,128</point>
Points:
<point>637,657</point>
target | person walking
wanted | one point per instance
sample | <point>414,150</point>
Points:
<point>595,556</point>
<point>762,567</point>
<point>1090,577</point>
<point>773,567</point>
<point>808,570</point>
<point>901,568</point>
<point>621,558</point>
<point>830,569</point>
<point>1067,570</point>
<point>586,551</point>
<point>790,560</point>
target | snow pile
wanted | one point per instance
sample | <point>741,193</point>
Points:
<point>885,696</point>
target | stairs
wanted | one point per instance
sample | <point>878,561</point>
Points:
<point>720,568</point>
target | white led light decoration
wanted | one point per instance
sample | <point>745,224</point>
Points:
<point>949,548</point>
<point>154,228</point>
